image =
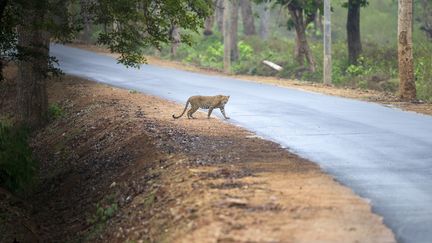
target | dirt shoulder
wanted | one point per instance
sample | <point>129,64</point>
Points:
<point>385,98</point>
<point>116,167</point>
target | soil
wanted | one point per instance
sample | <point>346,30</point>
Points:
<point>117,168</point>
<point>386,98</point>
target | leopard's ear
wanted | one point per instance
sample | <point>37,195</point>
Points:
<point>228,96</point>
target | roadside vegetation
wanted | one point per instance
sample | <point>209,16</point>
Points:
<point>376,67</point>
<point>17,165</point>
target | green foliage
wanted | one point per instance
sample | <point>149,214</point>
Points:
<point>105,210</point>
<point>55,111</point>
<point>17,166</point>
<point>128,26</point>
<point>207,52</point>
<point>103,213</point>
<point>147,25</point>
<point>422,70</point>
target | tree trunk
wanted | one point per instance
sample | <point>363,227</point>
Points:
<point>353,31</point>
<point>327,65</point>
<point>227,35</point>
<point>86,18</point>
<point>32,98</point>
<point>302,50</point>
<point>407,87</point>
<point>209,21</point>
<point>264,15</point>
<point>87,31</point>
<point>318,23</point>
<point>234,28</point>
<point>208,25</point>
<point>220,15</point>
<point>247,17</point>
<point>175,40</point>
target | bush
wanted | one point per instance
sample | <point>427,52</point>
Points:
<point>55,111</point>
<point>17,166</point>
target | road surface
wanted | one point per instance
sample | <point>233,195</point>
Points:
<point>383,154</point>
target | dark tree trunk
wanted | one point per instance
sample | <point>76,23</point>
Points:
<point>86,17</point>
<point>247,17</point>
<point>302,50</point>
<point>234,28</point>
<point>32,98</point>
<point>264,16</point>
<point>353,31</point>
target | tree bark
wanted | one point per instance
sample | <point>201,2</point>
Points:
<point>88,23</point>
<point>234,28</point>
<point>353,31</point>
<point>407,87</point>
<point>175,40</point>
<point>208,25</point>
<point>220,15</point>
<point>247,17</point>
<point>302,50</point>
<point>264,15</point>
<point>227,35</point>
<point>32,98</point>
<point>327,65</point>
<point>318,22</point>
<point>209,21</point>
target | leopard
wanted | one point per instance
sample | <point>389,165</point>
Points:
<point>205,102</point>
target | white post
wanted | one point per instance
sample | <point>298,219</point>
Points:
<point>327,44</point>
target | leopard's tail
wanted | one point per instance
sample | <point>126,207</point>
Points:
<point>186,106</point>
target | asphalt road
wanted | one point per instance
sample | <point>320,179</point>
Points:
<point>383,154</point>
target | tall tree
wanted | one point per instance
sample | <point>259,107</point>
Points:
<point>264,17</point>
<point>175,39</point>
<point>219,13</point>
<point>302,13</point>
<point>87,21</point>
<point>407,88</point>
<point>234,29</point>
<point>139,23</point>
<point>327,65</point>
<point>208,25</point>
<point>353,29</point>
<point>227,6</point>
<point>247,17</point>
<point>209,21</point>
<point>32,99</point>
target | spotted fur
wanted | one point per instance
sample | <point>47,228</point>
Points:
<point>205,102</point>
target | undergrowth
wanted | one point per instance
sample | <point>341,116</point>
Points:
<point>17,165</point>
<point>377,68</point>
